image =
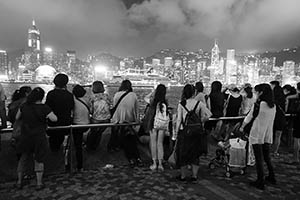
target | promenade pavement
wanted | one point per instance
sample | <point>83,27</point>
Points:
<point>122,182</point>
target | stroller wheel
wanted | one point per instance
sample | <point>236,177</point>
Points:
<point>211,166</point>
<point>228,174</point>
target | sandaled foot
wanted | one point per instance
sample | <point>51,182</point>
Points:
<point>18,186</point>
<point>180,178</point>
<point>153,167</point>
<point>160,168</point>
<point>40,187</point>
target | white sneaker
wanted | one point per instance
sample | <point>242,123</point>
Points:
<point>153,167</point>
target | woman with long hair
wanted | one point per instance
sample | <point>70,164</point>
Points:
<point>126,112</point>
<point>248,100</point>
<point>188,149</point>
<point>261,133</point>
<point>159,103</point>
<point>33,141</point>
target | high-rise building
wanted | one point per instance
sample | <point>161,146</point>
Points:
<point>71,55</point>
<point>215,58</point>
<point>231,67</point>
<point>288,72</point>
<point>3,62</point>
<point>34,37</point>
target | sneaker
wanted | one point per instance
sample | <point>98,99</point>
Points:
<point>257,184</point>
<point>194,179</point>
<point>179,178</point>
<point>160,168</point>
<point>271,180</point>
<point>153,167</point>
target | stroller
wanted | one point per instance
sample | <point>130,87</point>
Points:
<point>232,151</point>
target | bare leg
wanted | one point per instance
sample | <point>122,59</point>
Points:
<point>277,141</point>
<point>39,170</point>
<point>153,143</point>
<point>195,169</point>
<point>160,148</point>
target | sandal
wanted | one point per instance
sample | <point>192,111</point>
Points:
<point>18,186</point>
<point>40,187</point>
<point>179,178</point>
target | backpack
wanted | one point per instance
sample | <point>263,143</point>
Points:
<point>192,124</point>
<point>161,119</point>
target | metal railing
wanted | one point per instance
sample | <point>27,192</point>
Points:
<point>71,127</point>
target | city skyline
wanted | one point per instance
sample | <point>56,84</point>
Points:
<point>108,26</point>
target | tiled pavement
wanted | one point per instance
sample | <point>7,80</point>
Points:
<point>122,182</point>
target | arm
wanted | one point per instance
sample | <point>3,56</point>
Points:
<point>294,96</point>
<point>148,97</point>
<point>136,106</point>
<point>247,119</point>
<point>178,122</point>
<point>205,112</point>
<point>208,103</point>
<point>18,115</point>
<point>52,117</point>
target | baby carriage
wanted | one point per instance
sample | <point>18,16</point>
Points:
<point>232,151</point>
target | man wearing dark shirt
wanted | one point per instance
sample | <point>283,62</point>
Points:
<point>61,101</point>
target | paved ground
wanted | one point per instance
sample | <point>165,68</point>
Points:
<point>123,182</point>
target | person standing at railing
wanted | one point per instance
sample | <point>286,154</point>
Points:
<point>159,105</point>
<point>100,109</point>
<point>261,133</point>
<point>296,133</point>
<point>280,122</point>
<point>61,101</point>
<point>33,134</point>
<point>18,98</point>
<point>248,100</point>
<point>188,147</point>
<point>126,112</point>
<point>215,104</point>
<point>200,95</point>
<point>81,116</point>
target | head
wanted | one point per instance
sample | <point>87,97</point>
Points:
<point>61,80</point>
<point>248,91</point>
<point>21,93</point>
<point>264,93</point>
<point>234,90</point>
<point>199,87</point>
<point>216,86</point>
<point>187,93</point>
<point>274,84</point>
<point>97,87</point>
<point>289,90</point>
<point>126,86</point>
<point>36,95</point>
<point>78,91</point>
<point>160,95</point>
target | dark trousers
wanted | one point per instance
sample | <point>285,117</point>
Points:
<point>56,138</point>
<point>262,152</point>
<point>94,137</point>
<point>77,136</point>
<point>3,114</point>
<point>114,140</point>
<point>129,143</point>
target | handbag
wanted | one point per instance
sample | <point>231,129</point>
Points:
<point>161,119</point>
<point>113,110</point>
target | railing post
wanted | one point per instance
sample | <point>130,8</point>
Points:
<point>71,149</point>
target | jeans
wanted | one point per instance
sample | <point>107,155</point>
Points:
<point>262,152</point>
<point>77,136</point>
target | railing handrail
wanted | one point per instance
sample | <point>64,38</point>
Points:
<point>6,130</point>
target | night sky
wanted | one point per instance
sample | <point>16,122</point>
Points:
<point>127,29</point>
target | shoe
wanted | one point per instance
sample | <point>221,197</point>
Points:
<point>153,167</point>
<point>276,154</point>
<point>139,162</point>
<point>271,180</point>
<point>194,179</point>
<point>40,187</point>
<point>257,184</point>
<point>131,163</point>
<point>18,186</point>
<point>160,168</point>
<point>179,178</point>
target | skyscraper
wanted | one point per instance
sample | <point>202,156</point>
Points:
<point>215,58</point>
<point>3,62</point>
<point>34,37</point>
<point>231,67</point>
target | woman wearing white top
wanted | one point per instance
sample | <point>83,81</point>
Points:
<point>261,133</point>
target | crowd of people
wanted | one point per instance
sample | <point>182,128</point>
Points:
<point>263,106</point>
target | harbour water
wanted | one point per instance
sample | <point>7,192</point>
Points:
<point>173,93</point>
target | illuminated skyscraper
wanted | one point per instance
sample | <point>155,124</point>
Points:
<point>215,58</point>
<point>3,62</point>
<point>34,37</point>
<point>231,67</point>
